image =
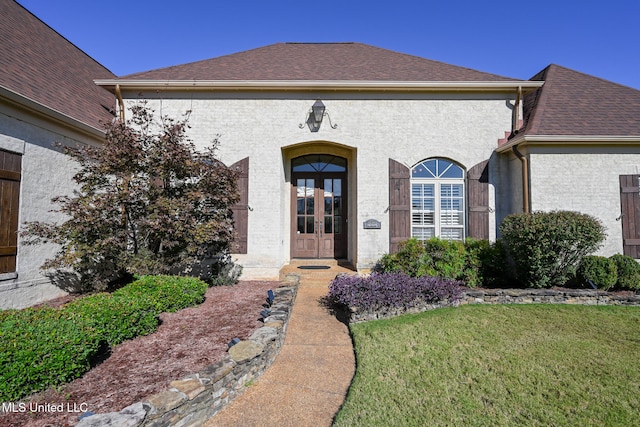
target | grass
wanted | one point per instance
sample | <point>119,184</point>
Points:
<point>498,365</point>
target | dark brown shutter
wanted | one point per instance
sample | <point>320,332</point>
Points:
<point>399,204</point>
<point>10,173</point>
<point>241,209</point>
<point>478,197</point>
<point>630,204</point>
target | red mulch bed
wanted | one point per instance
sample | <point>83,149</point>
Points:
<point>185,342</point>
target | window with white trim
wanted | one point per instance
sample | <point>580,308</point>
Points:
<point>437,200</point>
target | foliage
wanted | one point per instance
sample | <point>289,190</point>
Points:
<point>628,272</point>
<point>443,258</point>
<point>546,247</point>
<point>391,290</point>
<point>602,271</point>
<point>406,260</point>
<point>494,269</point>
<point>475,262</point>
<point>45,347</point>
<point>147,203</point>
<point>497,365</point>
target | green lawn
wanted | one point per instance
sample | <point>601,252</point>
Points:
<point>498,365</point>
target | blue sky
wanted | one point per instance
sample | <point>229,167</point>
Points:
<point>511,38</point>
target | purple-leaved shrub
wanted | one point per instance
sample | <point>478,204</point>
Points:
<point>381,291</point>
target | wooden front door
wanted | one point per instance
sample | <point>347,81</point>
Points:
<point>319,215</point>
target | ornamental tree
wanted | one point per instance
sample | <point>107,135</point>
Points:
<point>147,202</point>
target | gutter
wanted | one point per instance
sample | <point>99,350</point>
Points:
<point>569,140</point>
<point>34,107</point>
<point>307,85</point>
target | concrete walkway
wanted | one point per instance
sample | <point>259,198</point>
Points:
<point>307,383</point>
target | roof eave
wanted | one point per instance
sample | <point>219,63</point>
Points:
<point>35,107</point>
<point>313,85</point>
<point>569,140</point>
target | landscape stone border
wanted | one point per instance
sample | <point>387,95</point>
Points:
<point>511,296</point>
<point>192,400</point>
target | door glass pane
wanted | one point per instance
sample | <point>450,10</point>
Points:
<point>310,228</point>
<point>300,210</point>
<point>328,187</point>
<point>337,187</point>
<point>337,205</point>
<point>328,224</point>
<point>300,187</point>
<point>328,205</point>
<point>310,206</point>
<point>337,225</point>
<point>310,185</point>
<point>301,224</point>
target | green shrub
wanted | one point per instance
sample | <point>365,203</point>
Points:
<point>475,262</point>
<point>165,293</point>
<point>406,260</point>
<point>442,258</point>
<point>602,271</point>
<point>45,347</point>
<point>628,272</point>
<point>115,318</point>
<point>546,247</point>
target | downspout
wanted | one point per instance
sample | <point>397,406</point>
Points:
<point>515,119</point>
<point>120,102</point>
<point>525,178</point>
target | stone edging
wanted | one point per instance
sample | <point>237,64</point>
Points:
<point>192,400</point>
<point>511,296</point>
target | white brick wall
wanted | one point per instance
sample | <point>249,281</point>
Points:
<point>584,179</point>
<point>407,128</point>
<point>46,173</point>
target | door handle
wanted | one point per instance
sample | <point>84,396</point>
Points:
<point>320,229</point>
<point>317,228</point>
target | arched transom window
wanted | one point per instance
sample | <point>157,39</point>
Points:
<point>437,200</point>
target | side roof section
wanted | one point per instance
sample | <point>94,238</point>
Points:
<point>39,64</point>
<point>574,103</point>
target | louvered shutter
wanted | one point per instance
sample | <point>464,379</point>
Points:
<point>399,204</point>
<point>630,205</point>
<point>10,175</point>
<point>241,209</point>
<point>478,201</point>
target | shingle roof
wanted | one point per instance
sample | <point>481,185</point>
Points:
<point>318,61</point>
<point>38,63</point>
<point>573,103</point>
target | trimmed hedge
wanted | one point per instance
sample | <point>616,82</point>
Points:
<point>602,271</point>
<point>546,247</point>
<point>474,262</point>
<point>628,272</point>
<point>45,347</point>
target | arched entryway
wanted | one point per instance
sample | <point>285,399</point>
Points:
<point>319,206</point>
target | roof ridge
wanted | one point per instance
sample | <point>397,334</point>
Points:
<point>540,96</point>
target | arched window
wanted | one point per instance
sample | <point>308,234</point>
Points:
<point>437,200</point>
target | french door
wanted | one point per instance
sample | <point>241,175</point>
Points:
<point>319,215</point>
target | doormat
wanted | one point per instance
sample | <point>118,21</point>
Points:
<point>314,267</point>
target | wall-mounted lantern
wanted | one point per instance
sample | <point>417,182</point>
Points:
<point>315,116</point>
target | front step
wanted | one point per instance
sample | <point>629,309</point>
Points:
<point>335,267</point>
